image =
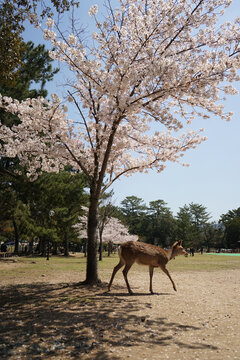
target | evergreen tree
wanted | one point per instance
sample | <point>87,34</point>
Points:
<point>231,222</point>
<point>13,14</point>
<point>33,74</point>
<point>191,221</point>
<point>162,224</point>
<point>30,81</point>
<point>133,210</point>
<point>56,202</point>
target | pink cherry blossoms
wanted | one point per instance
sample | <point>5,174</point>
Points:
<point>114,231</point>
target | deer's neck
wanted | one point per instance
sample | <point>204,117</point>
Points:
<point>169,254</point>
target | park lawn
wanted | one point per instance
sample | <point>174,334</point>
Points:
<point>19,269</point>
<point>197,262</point>
<point>35,268</point>
<point>204,262</point>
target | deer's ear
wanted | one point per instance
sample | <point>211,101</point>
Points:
<point>175,244</point>
<point>180,242</point>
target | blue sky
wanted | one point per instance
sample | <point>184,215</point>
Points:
<point>213,178</point>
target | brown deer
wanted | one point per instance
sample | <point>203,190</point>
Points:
<point>146,254</point>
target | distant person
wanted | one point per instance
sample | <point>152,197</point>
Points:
<point>3,247</point>
<point>201,250</point>
<point>192,251</point>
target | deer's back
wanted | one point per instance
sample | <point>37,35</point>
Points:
<point>142,253</point>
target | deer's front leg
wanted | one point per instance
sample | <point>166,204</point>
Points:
<point>151,276</point>
<point>167,273</point>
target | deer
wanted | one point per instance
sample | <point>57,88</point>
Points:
<point>146,254</point>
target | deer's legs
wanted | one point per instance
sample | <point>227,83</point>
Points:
<point>167,273</point>
<point>125,271</point>
<point>151,275</point>
<point>115,270</point>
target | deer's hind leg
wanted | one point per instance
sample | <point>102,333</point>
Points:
<point>115,270</point>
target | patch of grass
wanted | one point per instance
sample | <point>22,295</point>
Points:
<point>204,262</point>
<point>83,300</point>
<point>197,262</point>
<point>34,267</point>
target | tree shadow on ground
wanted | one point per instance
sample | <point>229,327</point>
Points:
<point>75,322</point>
<point>126,294</point>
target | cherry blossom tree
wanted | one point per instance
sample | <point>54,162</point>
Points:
<point>150,68</point>
<point>113,232</point>
<point>116,232</point>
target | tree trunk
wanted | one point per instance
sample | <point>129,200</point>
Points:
<point>85,248</point>
<point>109,248</point>
<point>30,251</point>
<point>55,246</point>
<point>16,247</point>
<point>42,246</point>
<point>48,249</point>
<point>100,246</point>
<point>66,245</point>
<point>92,269</point>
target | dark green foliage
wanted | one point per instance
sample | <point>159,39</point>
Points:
<point>12,16</point>
<point>35,70</point>
<point>231,222</point>
<point>11,44</point>
<point>133,210</point>
<point>162,223</point>
<point>46,209</point>
<point>56,202</point>
<point>214,236</point>
<point>27,205</point>
<point>154,224</point>
<point>191,222</point>
<point>157,225</point>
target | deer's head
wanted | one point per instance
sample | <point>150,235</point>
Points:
<point>177,249</point>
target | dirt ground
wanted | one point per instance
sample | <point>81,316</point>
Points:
<point>55,318</point>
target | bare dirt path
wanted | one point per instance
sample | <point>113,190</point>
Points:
<point>56,319</point>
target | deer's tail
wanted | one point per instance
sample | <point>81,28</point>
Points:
<point>120,254</point>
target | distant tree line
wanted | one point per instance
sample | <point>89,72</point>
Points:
<point>156,224</point>
<point>45,212</point>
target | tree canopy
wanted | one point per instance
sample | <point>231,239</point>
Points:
<point>30,81</point>
<point>12,17</point>
<point>231,222</point>
<point>191,222</point>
